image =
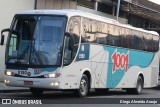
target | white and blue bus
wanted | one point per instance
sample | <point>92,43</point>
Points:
<point>78,51</point>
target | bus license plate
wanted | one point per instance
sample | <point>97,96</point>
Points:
<point>28,82</point>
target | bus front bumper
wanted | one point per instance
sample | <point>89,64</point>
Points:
<point>46,83</point>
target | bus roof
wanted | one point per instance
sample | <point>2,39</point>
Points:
<point>69,13</point>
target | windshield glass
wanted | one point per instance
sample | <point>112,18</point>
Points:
<point>36,40</point>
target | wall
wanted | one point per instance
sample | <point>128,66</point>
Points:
<point>56,4</point>
<point>7,11</point>
<point>71,4</point>
<point>121,20</point>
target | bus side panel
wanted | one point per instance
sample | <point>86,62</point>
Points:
<point>99,65</point>
<point>95,61</point>
<point>149,73</point>
<point>125,66</point>
<point>72,74</point>
<point>111,67</point>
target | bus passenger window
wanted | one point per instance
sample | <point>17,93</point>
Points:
<point>114,36</point>
<point>68,50</point>
<point>137,40</point>
<point>72,40</point>
<point>89,32</point>
<point>13,46</point>
<point>109,37</point>
<point>102,35</point>
<point>148,39</point>
<point>129,38</point>
<point>101,39</point>
<point>123,37</point>
<point>155,43</point>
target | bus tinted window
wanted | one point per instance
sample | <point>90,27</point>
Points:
<point>137,40</point>
<point>102,34</point>
<point>90,30</point>
<point>113,36</point>
<point>140,40</point>
<point>123,37</point>
<point>74,28</point>
<point>128,38</point>
<point>155,43</point>
<point>148,42</point>
<point>116,32</point>
<point>108,34</point>
<point>86,34</point>
<point>71,43</point>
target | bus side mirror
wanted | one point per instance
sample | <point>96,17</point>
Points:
<point>2,36</point>
<point>2,39</point>
<point>68,34</point>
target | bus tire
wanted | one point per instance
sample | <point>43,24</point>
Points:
<point>139,85</point>
<point>138,88</point>
<point>36,91</point>
<point>83,87</point>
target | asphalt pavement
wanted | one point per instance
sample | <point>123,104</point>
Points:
<point>68,99</point>
<point>54,97</point>
<point>8,89</point>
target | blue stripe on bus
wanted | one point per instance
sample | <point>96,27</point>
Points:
<point>136,58</point>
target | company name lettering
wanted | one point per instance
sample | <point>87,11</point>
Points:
<point>120,61</point>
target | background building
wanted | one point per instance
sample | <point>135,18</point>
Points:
<point>7,11</point>
<point>91,6</point>
<point>138,13</point>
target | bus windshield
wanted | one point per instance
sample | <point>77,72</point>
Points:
<point>36,40</point>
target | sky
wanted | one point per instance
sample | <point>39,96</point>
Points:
<point>156,1</point>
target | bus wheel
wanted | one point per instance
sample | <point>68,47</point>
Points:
<point>139,87</point>
<point>36,91</point>
<point>83,87</point>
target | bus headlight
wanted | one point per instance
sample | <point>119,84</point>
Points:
<point>53,75</point>
<point>9,73</point>
<point>54,84</point>
<point>7,81</point>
